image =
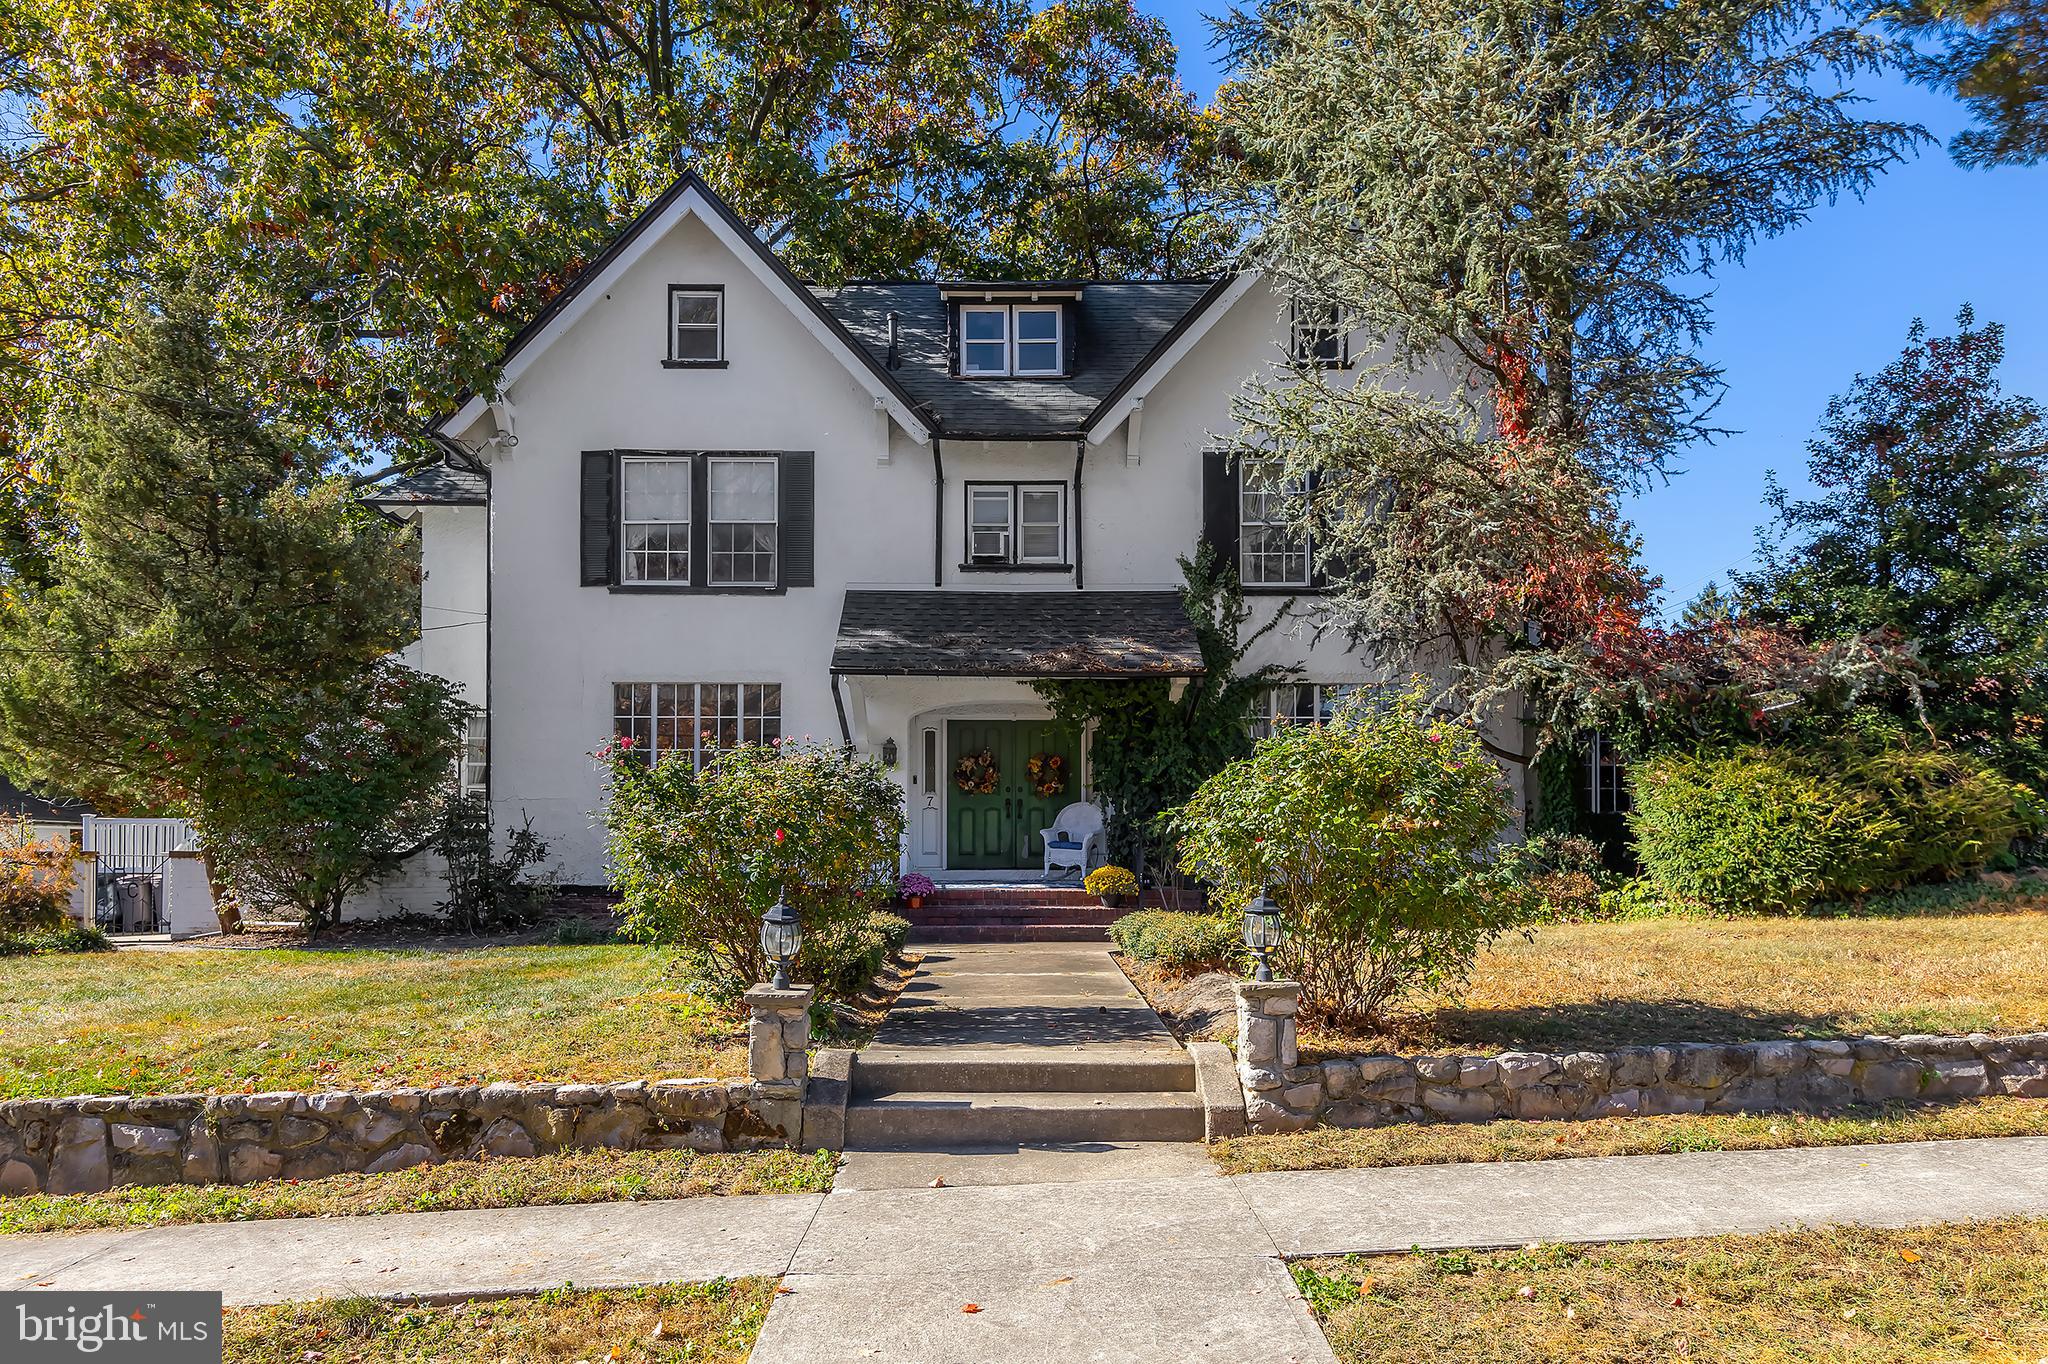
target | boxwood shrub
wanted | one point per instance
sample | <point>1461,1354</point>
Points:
<point>1176,940</point>
<point>1757,830</point>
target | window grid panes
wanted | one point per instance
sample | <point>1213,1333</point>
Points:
<point>1271,551</point>
<point>1301,703</point>
<point>985,340</point>
<point>988,534</point>
<point>654,520</point>
<point>696,325</point>
<point>697,719</point>
<point>1607,790</point>
<point>1041,537</point>
<point>1318,333</point>
<point>1038,340</point>
<point>475,752</point>
<point>742,522</point>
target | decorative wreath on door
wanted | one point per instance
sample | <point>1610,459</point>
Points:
<point>977,774</point>
<point>1047,773</point>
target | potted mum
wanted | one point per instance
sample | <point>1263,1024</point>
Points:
<point>1112,884</point>
<point>914,887</point>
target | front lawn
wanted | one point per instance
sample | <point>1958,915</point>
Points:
<point>181,1022</point>
<point>594,1176</point>
<point>1460,1143</point>
<point>712,1323</point>
<point>1607,985</point>
<point>1847,1295</point>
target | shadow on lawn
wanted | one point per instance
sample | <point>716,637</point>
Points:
<point>1603,1024</point>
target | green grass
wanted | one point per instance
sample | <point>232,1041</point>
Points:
<point>568,1177</point>
<point>220,1021</point>
<point>713,1323</point>
<point>1846,1295</point>
<point>1448,1143</point>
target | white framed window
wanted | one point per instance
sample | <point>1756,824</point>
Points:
<point>1272,550</point>
<point>1317,335</point>
<point>1301,703</point>
<point>696,324</point>
<point>741,494</point>
<point>1016,523</point>
<point>1607,790</point>
<point>695,718</point>
<point>985,340</point>
<point>475,762</point>
<point>1037,349</point>
<point>1023,339</point>
<point>654,520</point>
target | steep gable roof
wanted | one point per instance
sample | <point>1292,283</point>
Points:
<point>1119,326</point>
<point>690,196</point>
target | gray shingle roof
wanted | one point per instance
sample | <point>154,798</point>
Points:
<point>1015,634</point>
<point>436,485</point>
<point>1120,324</point>
<point>15,802</point>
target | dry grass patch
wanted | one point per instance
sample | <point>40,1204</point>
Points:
<point>170,1022</point>
<point>1848,1295</point>
<point>1449,1143</point>
<point>1677,980</point>
<point>568,1177</point>
<point>712,1323</point>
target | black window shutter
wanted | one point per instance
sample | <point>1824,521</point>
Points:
<point>1319,568</point>
<point>1219,504</point>
<point>798,512</point>
<point>599,557</point>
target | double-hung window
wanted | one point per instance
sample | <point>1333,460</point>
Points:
<point>1317,335</point>
<point>1607,790</point>
<point>476,753</point>
<point>696,325</point>
<point>742,522</point>
<point>697,719</point>
<point>1273,551</point>
<point>1023,339</point>
<point>1016,524</point>
<point>1300,703</point>
<point>654,519</point>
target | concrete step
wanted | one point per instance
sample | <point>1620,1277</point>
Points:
<point>967,1070</point>
<point>947,1120</point>
<point>1010,932</point>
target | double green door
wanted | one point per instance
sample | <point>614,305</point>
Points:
<point>999,829</point>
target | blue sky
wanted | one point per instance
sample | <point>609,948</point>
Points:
<point>1809,310</point>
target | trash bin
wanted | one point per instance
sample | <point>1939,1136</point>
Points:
<point>135,903</point>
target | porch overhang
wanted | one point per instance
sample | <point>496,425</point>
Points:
<point>927,633</point>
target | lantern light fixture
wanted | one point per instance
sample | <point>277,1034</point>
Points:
<point>781,937</point>
<point>1262,933</point>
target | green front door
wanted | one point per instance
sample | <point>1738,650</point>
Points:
<point>999,829</point>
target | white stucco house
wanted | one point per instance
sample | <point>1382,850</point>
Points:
<point>711,504</point>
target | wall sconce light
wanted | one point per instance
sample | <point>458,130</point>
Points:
<point>889,752</point>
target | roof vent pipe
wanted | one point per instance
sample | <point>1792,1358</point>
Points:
<point>893,360</point>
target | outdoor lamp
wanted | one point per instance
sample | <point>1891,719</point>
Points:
<point>889,752</point>
<point>1262,933</point>
<point>780,938</point>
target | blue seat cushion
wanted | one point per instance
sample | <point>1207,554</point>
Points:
<point>1062,843</point>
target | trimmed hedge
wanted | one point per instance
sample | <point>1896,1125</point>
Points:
<point>1176,940</point>
<point>843,957</point>
<point>1755,830</point>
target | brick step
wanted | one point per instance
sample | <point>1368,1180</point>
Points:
<point>1012,932</point>
<point>1014,914</point>
<point>928,1121</point>
<point>947,896</point>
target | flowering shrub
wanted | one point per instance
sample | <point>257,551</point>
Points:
<point>1376,834</point>
<point>915,883</point>
<point>1110,880</point>
<point>699,856</point>
<point>36,880</point>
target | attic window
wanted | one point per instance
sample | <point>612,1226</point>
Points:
<point>696,325</point>
<point>1023,339</point>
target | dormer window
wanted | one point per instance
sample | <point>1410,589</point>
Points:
<point>1011,339</point>
<point>696,325</point>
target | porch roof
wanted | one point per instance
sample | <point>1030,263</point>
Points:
<point>926,633</point>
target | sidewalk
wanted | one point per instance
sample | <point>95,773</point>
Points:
<point>1186,1268</point>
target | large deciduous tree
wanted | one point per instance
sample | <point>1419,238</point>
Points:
<point>1514,202</point>
<point>1932,521</point>
<point>212,635</point>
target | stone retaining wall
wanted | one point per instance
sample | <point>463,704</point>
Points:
<point>86,1144</point>
<point>1282,1095</point>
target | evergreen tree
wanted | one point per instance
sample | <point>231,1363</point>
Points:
<point>1992,55</point>
<point>211,637</point>
<point>1514,203</point>
<point>1933,522</point>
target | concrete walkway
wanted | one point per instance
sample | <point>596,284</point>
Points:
<point>1189,1267</point>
